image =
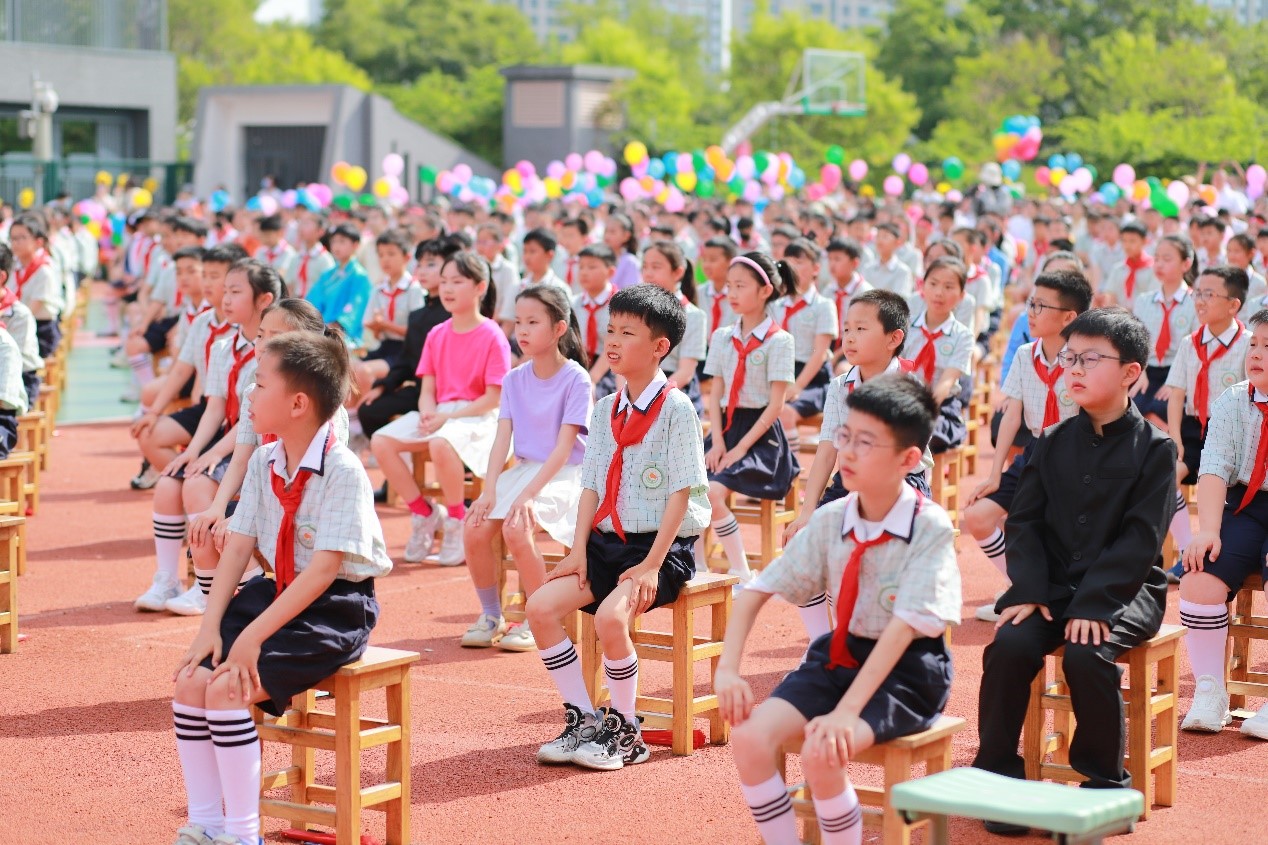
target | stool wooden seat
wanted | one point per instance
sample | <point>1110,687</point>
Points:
<point>681,647</point>
<point>1244,626</point>
<point>347,733</point>
<point>472,484</point>
<point>896,757</point>
<point>769,515</point>
<point>12,556</point>
<point>1150,696</point>
<point>14,471</point>
<point>33,435</point>
<point>810,445</point>
<point>945,480</point>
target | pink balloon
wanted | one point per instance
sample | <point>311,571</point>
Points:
<point>268,205</point>
<point>462,173</point>
<point>918,174</point>
<point>444,181</point>
<point>289,199</point>
<point>1043,175</point>
<point>525,168</point>
<point>393,165</point>
<point>1069,185</point>
<point>574,161</point>
<point>1179,192</point>
<point>816,192</point>
<point>954,196</point>
<point>858,170</point>
<point>398,196</point>
<point>1256,175</point>
<point>630,189</point>
<point>893,186</point>
<point>902,163</point>
<point>1124,176</point>
<point>776,192</point>
<point>674,202</point>
<point>752,190</point>
<point>744,167</point>
<point>639,170</point>
<point>914,213</point>
<point>556,170</point>
<point>830,175</point>
<point>593,161</point>
<point>320,193</point>
<point>609,167</point>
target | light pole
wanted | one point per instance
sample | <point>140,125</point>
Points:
<point>37,124</point>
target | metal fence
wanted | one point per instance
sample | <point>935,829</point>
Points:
<point>104,24</point>
<point>77,176</point>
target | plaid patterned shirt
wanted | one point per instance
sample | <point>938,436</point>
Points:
<point>1024,383</point>
<point>1183,320</point>
<point>772,361</point>
<point>954,349</point>
<point>1225,371</point>
<point>1232,436</point>
<point>818,317</point>
<point>892,276</point>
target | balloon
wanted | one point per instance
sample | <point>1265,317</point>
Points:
<point>706,189</point>
<point>714,155</point>
<point>554,189</point>
<point>94,229</point>
<point>355,178</point>
<point>770,176</point>
<point>141,198</point>
<point>1068,185</point>
<point>1124,176</point>
<point>445,181</point>
<point>1140,190</point>
<point>830,176</point>
<point>685,163</point>
<point>698,161</point>
<point>858,170</point>
<point>427,174</point>
<point>268,205</point>
<point>321,194</point>
<point>952,168</point>
<point>1256,175</point>
<point>150,184</point>
<point>1058,162</point>
<point>674,203</point>
<point>670,161</point>
<point>1082,179</point>
<point>609,168</point>
<point>568,181</point>
<point>462,172</point>
<point>752,190</point>
<point>918,174</point>
<point>1011,169</point>
<point>835,154</point>
<point>393,164</point>
<point>867,192</point>
<point>1056,176</point>
<point>104,178</point>
<point>656,168</point>
<point>1178,192</point>
<point>594,198</point>
<point>343,202</point>
<point>219,199</point>
<point>1208,195</point>
<point>686,180</point>
<point>635,151</point>
<point>630,190</point>
<point>1110,193</point>
<point>593,161</point>
<point>555,169</point>
<point>1043,175</point>
<point>573,161</point>
<point>954,196</point>
<point>1073,161</point>
<point>745,167</point>
<point>367,200</point>
<point>901,163</point>
<point>893,185</point>
<point>914,213</point>
<point>943,187</point>
<point>253,204</point>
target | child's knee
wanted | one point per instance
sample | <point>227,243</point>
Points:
<point>224,694</point>
<point>1083,659</point>
<point>518,537</point>
<point>753,744</point>
<point>1203,588</point>
<point>191,689</point>
<point>612,622</point>
<point>478,535</point>
<point>717,495</point>
<point>980,519</point>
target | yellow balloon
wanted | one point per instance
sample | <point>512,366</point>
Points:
<point>141,198</point>
<point>686,181</point>
<point>1208,195</point>
<point>121,179</point>
<point>104,178</point>
<point>662,196</point>
<point>513,180</point>
<point>150,184</point>
<point>339,172</point>
<point>867,191</point>
<point>943,187</point>
<point>26,198</point>
<point>94,228</point>
<point>635,152</point>
<point>553,189</point>
<point>381,188</point>
<point>356,177</point>
<point>1058,173</point>
<point>1140,190</point>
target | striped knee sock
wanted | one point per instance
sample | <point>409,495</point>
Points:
<point>198,764</point>
<point>840,818</point>
<point>169,536</point>
<point>623,685</point>
<point>237,748</point>
<point>993,548</point>
<point>142,369</point>
<point>728,534</point>
<point>1206,637</point>
<point>772,809</point>
<point>815,616</point>
<point>565,670</point>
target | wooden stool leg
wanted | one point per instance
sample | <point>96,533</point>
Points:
<point>398,761</point>
<point>684,678</point>
<point>20,541</point>
<point>719,728</point>
<point>591,659</point>
<point>304,757</point>
<point>1140,725</point>
<point>768,532</point>
<point>1240,666</point>
<point>1165,781</point>
<point>8,607</point>
<point>347,763</point>
<point>895,831</point>
<point>1032,732</point>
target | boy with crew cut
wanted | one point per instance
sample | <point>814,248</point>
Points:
<point>643,502</point>
<point>1135,274</point>
<point>1084,538</point>
<point>886,554</point>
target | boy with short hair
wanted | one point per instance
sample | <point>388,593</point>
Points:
<point>715,260</point>
<point>887,557</point>
<point>844,258</point>
<point>596,266</point>
<point>574,235</point>
<point>1084,536</point>
<point>275,250</point>
<point>539,252</point>
<point>888,273</point>
<point>1240,252</point>
<point>20,323</point>
<point>342,293</point>
<point>643,503</point>
<point>1210,242</point>
<point>1134,275</point>
<point>491,244</point>
<point>312,260</point>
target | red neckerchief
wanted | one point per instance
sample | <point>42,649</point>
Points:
<point>391,295</point>
<point>1260,470</point>
<point>26,271</point>
<point>1163,346</point>
<point>149,253</point>
<point>592,322</point>
<point>232,401</point>
<point>791,310</point>
<point>926,359</point>
<point>1049,376</point>
<point>1202,385</point>
<point>284,556</point>
<point>628,429</point>
<point>213,334</point>
<point>1140,262</point>
<point>741,370</point>
<point>8,296</point>
<point>301,277</point>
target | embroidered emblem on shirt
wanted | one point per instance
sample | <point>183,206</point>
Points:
<point>652,477</point>
<point>307,536</point>
<point>888,597</point>
<point>757,357</point>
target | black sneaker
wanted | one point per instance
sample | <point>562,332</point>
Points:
<point>604,751</point>
<point>380,495</point>
<point>146,478</point>
<point>630,742</point>
<point>578,728</point>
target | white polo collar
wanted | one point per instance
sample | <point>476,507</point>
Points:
<point>900,522</point>
<point>922,323</point>
<point>402,283</point>
<point>763,328</point>
<point>645,398</point>
<point>314,459</point>
<point>602,299</point>
<point>1181,294</point>
<point>1226,339</point>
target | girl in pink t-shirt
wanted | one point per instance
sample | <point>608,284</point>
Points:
<point>546,404</point>
<point>461,370</point>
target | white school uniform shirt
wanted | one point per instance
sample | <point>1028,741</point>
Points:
<point>913,576</point>
<point>190,313</point>
<point>836,411</point>
<point>892,275</point>
<point>12,390</point>
<point>507,309</point>
<point>247,435</point>
<point>1255,295</point>
<point>980,285</point>
<point>221,365</point>
<point>694,339</point>
<point>841,296</point>
<point>336,513</point>
<point>409,298</point>
<point>599,306</point>
<point>1116,283</point>
<point>89,252</point>
<point>818,317</point>
<point>319,263</point>
<point>965,310</point>
<point>195,352</point>
<point>953,350</point>
<point>1023,384</point>
<point>1225,371</point>
<point>708,295</point>
<point>20,323</point>
<point>506,281</point>
<point>1232,436</point>
<point>281,258</point>
<point>670,458</point>
<point>42,293</point>
<point>772,361</point>
<point>1184,321</point>
<point>164,289</point>
<point>911,256</point>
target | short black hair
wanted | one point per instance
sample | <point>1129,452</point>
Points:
<point>578,223</point>
<point>1236,281</point>
<point>396,238</point>
<point>902,403</point>
<point>602,252</point>
<point>439,247</point>
<point>228,254</point>
<point>1259,318</point>
<point>6,259</point>
<point>659,310</point>
<point>803,248</point>
<point>973,236</point>
<point>785,232</point>
<point>729,247</point>
<point>316,366</point>
<point>1243,240</point>
<point>1123,329</point>
<point>1212,223</point>
<point>189,225</point>
<point>891,229</point>
<point>847,245</point>
<point>345,230</point>
<point>1072,288</point>
<point>891,308</point>
<point>271,223</point>
<point>1135,227</point>
<point>194,253</point>
<point>543,238</point>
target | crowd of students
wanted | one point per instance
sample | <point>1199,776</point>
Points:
<point>614,376</point>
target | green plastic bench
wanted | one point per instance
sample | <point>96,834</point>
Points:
<point>1074,816</point>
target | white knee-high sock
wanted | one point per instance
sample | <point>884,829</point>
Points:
<point>238,760</point>
<point>772,810</point>
<point>169,536</point>
<point>1206,637</point>
<point>840,818</point>
<point>142,369</point>
<point>728,533</point>
<point>815,616</point>
<point>1181,526</point>
<point>198,763</point>
<point>564,667</point>
<point>993,547</point>
<point>623,685</point>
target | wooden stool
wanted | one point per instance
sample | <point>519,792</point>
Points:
<point>896,757</point>
<point>12,561</point>
<point>1150,696</point>
<point>683,649</point>
<point>944,482</point>
<point>770,516</point>
<point>1245,626</point>
<point>48,405</point>
<point>472,485</point>
<point>33,435</point>
<point>810,445</point>
<point>514,599</point>
<point>13,480</point>
<point>347,733</point>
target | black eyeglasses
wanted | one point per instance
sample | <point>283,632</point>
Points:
<point>1204,295</point>
<point>843,439</point>
<point>1085,360</point>
<point>1036,307</point>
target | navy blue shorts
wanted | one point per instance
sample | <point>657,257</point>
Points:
<point>1193,439</point>
<point>607,559</point>
<point>811,399</point>
<point>1146,401</point>
<point>331,632</point>
<point>1011,478</point>
<point>388,351</point>
<point>31,382</point>
<point>156,333</point>
<point>768,470</point>
<point>909,700</point>
<point>1243,541</point>
<point>188,418</point>
<point>1021,440</point>
<point>48,334</point>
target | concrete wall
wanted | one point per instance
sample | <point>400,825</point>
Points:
<point>101,80</point>
<point>551,110</point>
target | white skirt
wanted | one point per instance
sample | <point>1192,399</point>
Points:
<point>554,508</point>
<point>471,437</point>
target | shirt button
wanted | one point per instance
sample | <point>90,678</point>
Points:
<point>1087,479</point>
<point>1077,556</point>
<point>1082,519</point>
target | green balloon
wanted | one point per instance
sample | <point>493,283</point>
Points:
<point>1090,169</point>
<point>835,154</point>
<point>736,185</point>
<point>698,160</point>
<point>427,174</point>
<point>706,188</point>
<point>343,202</point>
<point>761,159</point>
<point>1154,182</point>
<point>603,181</point>
<point>367,199</point>
<point>953,169</point>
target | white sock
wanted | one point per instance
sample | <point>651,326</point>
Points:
<point>564,667</point>
<point>772,809</point>
<point>142,369</point>
<point>814,615</point>
<point>727,531</point>
<point>203,578</point>
<point>198,763</point>
<point>254,572</point>
<point>1181,526</point>
<point>993,548</point>
<point>1205,639</point>
<point>623,685</point>
<point>169,537</point>
<point>840,818</point>
<point>238,760</point>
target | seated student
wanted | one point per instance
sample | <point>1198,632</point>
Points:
<point>751,367</point>
<point>1232,534</point>
<point>887,557</point>
<point>1084,536</point>
<point>34,280</point>
<point>308,508</point>
<point>386,322</point>
<point>974,316</point>
<point>313,259</point>
<point>1208,362</point>
<point>716,256</point>
<point>19,322</point>
<point>642,506</point>
<point>983,283</point>
<point>573,236</point>
<point>596,267</point>
<point>666,266</point>
<point>844,257</point>
<point>275,250</point>
<point>1210,241</point>
<point>1134,275</point>
<point>941,350</point>
<point>888,272</point>
<point>342,292</point>
<point>619,235</point>
<point>1169,315</point>
<point>13,400</point>
<point>492,245</point>
<point>539,252</point>
<point>1037,398</point>
<point>811,319</point>
<point>188,266</point>
<point>1240,251</point>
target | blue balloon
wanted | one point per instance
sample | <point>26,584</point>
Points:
<point>656,169</point>
<point>253,204</point>
<point>1016,124</point>
<point>594,197</point>
<point>796,177</point>
<point>302,197</point>
<point>760,204</point>
<point>1057,160</point>
<point>219,199</point>
<point>708,174</point>
<point>1033,122</point>
<point>1011,169</point>
<point>671,163</point>
<point>1073,161</point>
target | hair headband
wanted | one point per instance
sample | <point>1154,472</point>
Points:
<point>748,262</point>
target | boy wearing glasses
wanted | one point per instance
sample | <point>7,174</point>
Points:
<point>887,556</point>
<point>1084,536</point>
<point>1037,398</point>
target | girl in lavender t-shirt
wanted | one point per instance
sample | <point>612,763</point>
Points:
<point>546,403</point>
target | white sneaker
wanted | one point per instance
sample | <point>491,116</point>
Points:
<point>162,588</point>
<point>745,578</point>
<point>518,638</point>
<point>424,534</point>
<point>484,632</point>
<point>192,602</point>
<point>192,834</point>
<point>1257,725</point>
<point>1209,711</point>
<point>986,613</point>
<point>132,394</point>
<point>451,549</point>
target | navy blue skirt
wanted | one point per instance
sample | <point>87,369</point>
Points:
<point>1146,400</point>
<point>770,467</point>
<point>331,632</point>
<point>810,401</point>
<point>389,350</point>
<point>693,393</point>
<point>605,386</point>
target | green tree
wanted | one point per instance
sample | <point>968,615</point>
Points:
<point>1074,24</point>
<point>468,110</point>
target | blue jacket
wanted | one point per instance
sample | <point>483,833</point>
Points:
<point>341,295</point>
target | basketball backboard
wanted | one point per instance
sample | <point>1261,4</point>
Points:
<point>832,83</point>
